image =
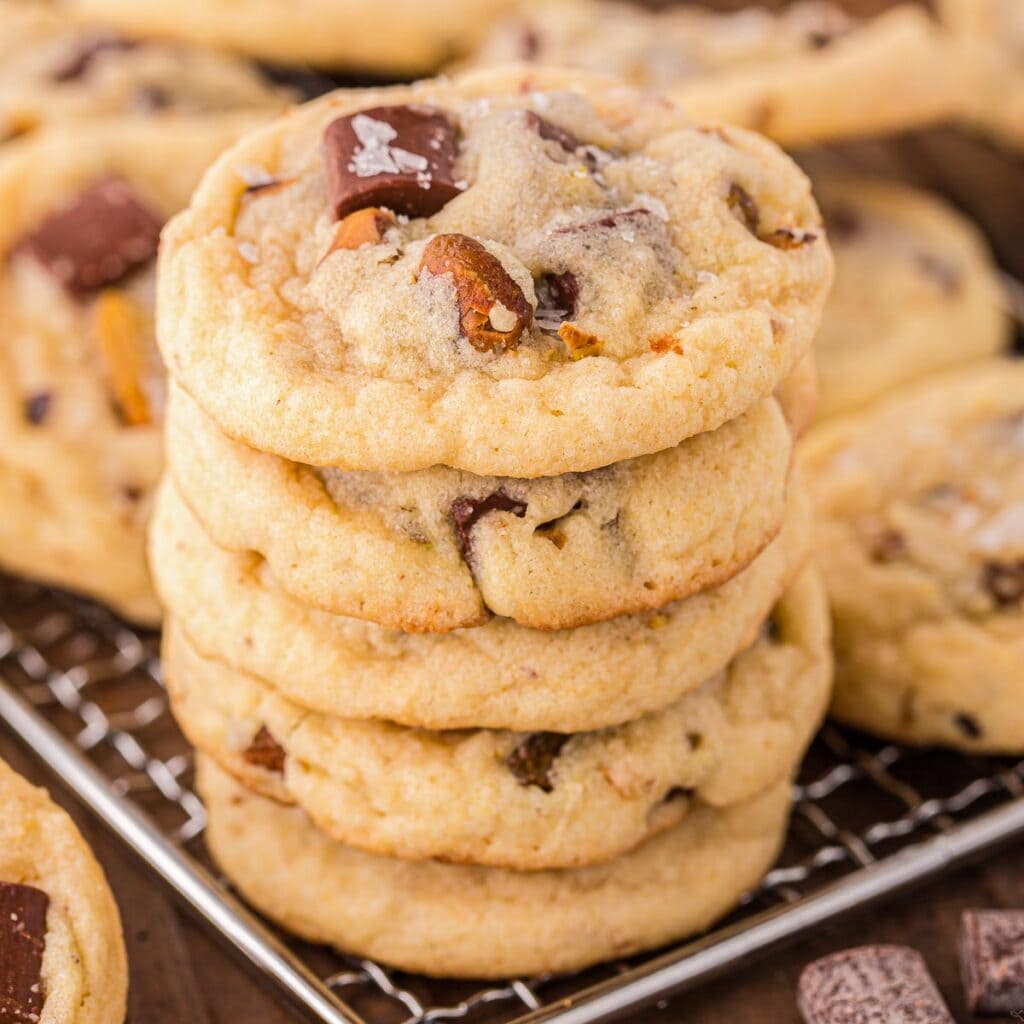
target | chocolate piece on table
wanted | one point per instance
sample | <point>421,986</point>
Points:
<point>98,239</point>
<point>992,960</point>
<point>869,985</point>
<point>401,158</point>
<point>22,942</point>
<point>265,752</point>
<point>468,511</point>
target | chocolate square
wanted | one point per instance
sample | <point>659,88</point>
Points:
<point>992,960</point>
<point>22,943</point>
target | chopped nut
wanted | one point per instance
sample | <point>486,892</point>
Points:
<point>533,760</point>
<point>580,343</point>
<point>121,328</point>
<point>482,287</point>
<point>788,238</point>
<point>265,752</point>
<point>666,343</point>
<point>888,546</point>
<point>364,227</point>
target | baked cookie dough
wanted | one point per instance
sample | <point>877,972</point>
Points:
<point>810,73</point>
<point>53,69</point>
<point>497,676</point>
<point>81,389</point>
<point>915,291</point>
<point>438,549</point>
<point>62,956</point>
<point>921,539</point>
<point>469,921</point>
<point>989,36</point>
<point>525,801</point>
<point>517,273</point>
<point>402,38</point>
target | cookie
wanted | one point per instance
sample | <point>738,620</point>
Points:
<point>921,540</point>
<point>62,956</point>
<point>469,921</point>
<point>525,801</point>
<point>518,273</point>
<point>52,69</point>
<point>989,36</point>
<point>400,39</point>
<point>499,675</point>
<point>81,389</point>
<point>916,291</point>
<point>440,549</point>
<point>809,73</point>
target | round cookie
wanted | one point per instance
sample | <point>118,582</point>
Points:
<point>467,921</point>
<point>525,801</point>
<point>921,539</point>
<point>598,278</point>
<point>53,69</point>
<point>403,38</point>
<point>499,675</point>
<point>62,956</point>
<point>916,291</point>
<point>989,36</point>
<point>438,549</point>
<point>809,73</point>
<point>81,389</point>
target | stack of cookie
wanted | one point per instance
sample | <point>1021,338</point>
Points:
<point>478,543</point>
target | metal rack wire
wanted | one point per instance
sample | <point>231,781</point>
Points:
<point>871,818</point>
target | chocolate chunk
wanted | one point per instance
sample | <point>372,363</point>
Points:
<point>22,943</point>
<point>888,546</point>
<point>788,238</point>
<point>402,158</point>
<point>98,239</point>
<point>89,49</point>
<point>37,407</point>
<point>529,42</point>
<point>871,984</point>
<point>265,752</point>
<point>467,512</point>
<point>968,725</point>
<point>150,98</point>
<point>557,296</point>
<point>742,204</point>
<point>533,760</point>
<point>609,220</point>
<point>992,961</point>
<point>551,132</point>
<point>1005,582</point>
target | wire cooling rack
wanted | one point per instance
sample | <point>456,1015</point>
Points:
<point>871,818</point>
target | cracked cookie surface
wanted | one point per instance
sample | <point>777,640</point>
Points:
<point>439,549</point>
<point>920,504</point>
<point>54,69</point>
<point>81,388</point>
<point>62,956</point>
<point>525,801</point>
<point>499,675</point>
<point>567,274</point>
<point>469,921</point>
<point>916,291</point>
<point>810,73</point>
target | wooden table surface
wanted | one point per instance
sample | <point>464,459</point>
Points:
<point>181,974</point>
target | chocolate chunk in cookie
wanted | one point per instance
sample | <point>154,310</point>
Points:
<point>557,296</point>
<point>22,943</point>
<point>97,240</point>
<point>992,960</point>
<point>467,512</point>
<point>870,983</point>
<point>265,752</point>
<point>1005,582</point>
<point>742,204</point>
<point>550,132</point>
<point>398,157</point>
<point>88,50</point>
<point>37,407</point>
<point>533,760</point>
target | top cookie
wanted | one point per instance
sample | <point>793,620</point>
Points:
<point>399,38</point>
<point>810,73</point>
<point>52,69</point>
<point>62,958</point>
<point>516,273</point>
